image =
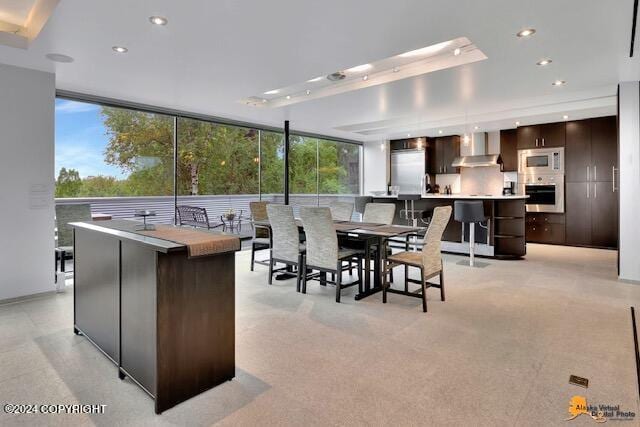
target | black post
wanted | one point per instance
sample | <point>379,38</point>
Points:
<point>286,162</point>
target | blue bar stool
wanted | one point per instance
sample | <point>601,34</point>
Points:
<point>470,212</point>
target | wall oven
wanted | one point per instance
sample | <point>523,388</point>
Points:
<point>546,192</point>
<point>541,161</point>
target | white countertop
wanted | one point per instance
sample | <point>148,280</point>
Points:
<point>460,196</point>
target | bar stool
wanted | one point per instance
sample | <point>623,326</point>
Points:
<point>470,212</point>
<point>360,203</point>
<point>410,210</point>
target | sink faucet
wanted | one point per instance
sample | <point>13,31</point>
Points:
<point>426,179</point>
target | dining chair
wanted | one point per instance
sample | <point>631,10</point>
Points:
<point>285,241</point>
<point>64,244</point>
<point>428,261</point>
<point>341,211</point>
<point>361,203</point>
<point>261,239</point>
<point>322,251</point>
<point>379,213</point>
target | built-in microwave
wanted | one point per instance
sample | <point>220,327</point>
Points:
<point>541,161</point>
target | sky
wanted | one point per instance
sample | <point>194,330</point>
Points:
<point>81,140</point>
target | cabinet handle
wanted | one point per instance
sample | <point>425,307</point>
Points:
<point>543,142</point>
<point>595,173</point>
<point>536,142</point>
<point>587,190</point>
<point>595,191</point>
<point>588,174</point>
<point>613,179</point>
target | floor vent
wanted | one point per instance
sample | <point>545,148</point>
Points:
<point>579,381</point>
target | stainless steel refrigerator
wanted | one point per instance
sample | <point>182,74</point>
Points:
<point>407,170</point>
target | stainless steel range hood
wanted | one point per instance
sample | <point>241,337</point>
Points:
<point>479,146</point>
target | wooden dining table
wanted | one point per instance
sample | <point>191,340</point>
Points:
<point>372,235</point>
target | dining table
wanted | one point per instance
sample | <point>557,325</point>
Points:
<point>371,235</point>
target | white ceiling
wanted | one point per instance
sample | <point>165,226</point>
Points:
<point>213,54</point>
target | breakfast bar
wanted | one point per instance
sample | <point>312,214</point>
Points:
<point>159,303</point>
<point>502,236</point>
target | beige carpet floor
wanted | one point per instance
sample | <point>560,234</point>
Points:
<point>499,351</point>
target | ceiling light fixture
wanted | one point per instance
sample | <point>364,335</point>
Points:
<point>158,20</point>
<point>476,128</point>
<point>517,123</point>
<point>359,68</point>
<point>544,62</point>
<point>264,101</point>
<point>315,79</point>
<point>527,32</point>
<point>565,117</point>
<point>365,77</point>
<point>288,96</point>
<point>429,50</point>
<point>440,131</point>
<point>558,83</point>
<point>408,135</point>
<point>120,49</point>
<point>396,69</point>
<point>272,92</point>
<point>308,92</point>
<point>58,57</point>
<point>457,52</point>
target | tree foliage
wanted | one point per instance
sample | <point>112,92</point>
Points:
<point>211,159</point>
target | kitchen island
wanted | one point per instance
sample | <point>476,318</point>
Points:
<point>502,236</point>
<point>162,311</point>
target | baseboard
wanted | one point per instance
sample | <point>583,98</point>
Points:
<point>24,298</point>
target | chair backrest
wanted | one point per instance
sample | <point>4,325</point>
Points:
<point>258,212</point>
<point>431,255</point>
<point>361,202</point>
<point>193,216</point>
<point>379,213</point>
<point>70,213</point>
<point>341,211</point>
<point>284,233</point>
<point>322,240</point>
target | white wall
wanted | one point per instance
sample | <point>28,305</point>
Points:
<point>629,104</point>
<point>27,102</point>
<point>376,166</point>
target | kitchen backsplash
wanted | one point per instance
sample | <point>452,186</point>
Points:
<point>482,180</point>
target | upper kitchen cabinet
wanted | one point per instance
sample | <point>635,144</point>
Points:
<point>541,136</point>
<point>408,144</point>
<point>604,148</point>
<point>509,150</point>
<point>578,151</point>
<point>442,152</point>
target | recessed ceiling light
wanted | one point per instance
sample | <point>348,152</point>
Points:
<point>158,20</point>
<point>526,32</point>
<point>365,77</point>
<point>558,83</point>
<point>315,79</point>
<point>457,51</point>
<point>308,92</point>
<point>476,128</point>
<point>440,131</point>
<point>565,117</point>
<point>58,57</point>
<point>408,135</point>
<point>396,69</point>
<point>517,123</point>
<point>271,92</point>
<point>264,101</point>
<point>288,96</point>
<point>544,62</point>
<point>120,49</point>
<point>429,50</point>
<point>359,68</point>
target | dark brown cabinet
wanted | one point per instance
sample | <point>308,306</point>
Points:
<point>591,197</point>
<point>545,228</point>
<point>441,153</point>
<point>509,150</point>
<point>541,136</point>
<point>408,144</point>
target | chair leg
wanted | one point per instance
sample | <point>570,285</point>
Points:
<point>333,276</point>
<point>441,285</point>
<point>385,284</point>
<point>304,274</point>
<point>253,255</point>
<point>424,292</point>
<point>350,267</point>
<point>63,256</point>
<point>338,281</point>
<point>323,278</point>
<point>406,278</point>
<point>270,268</point>
<point>299,274</point>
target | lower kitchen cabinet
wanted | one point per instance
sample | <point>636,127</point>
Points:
<point>545,228</point>
<point>592,214</point>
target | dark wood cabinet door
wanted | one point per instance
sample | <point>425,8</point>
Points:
<point>578,150</point>
<point>578,213</point>
<point>509,150</point>
<point>604,215</point>
<point>604,148</point>
<point>528,137</point>
<point>450,150</point>
<point>552,135</point>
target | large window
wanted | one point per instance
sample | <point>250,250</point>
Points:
<point>119,160</point>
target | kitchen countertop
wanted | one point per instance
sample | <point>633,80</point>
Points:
<point>460,196</point>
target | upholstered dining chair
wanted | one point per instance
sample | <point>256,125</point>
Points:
<point>261,235</point>
<point>379,213</point>
<point>428,261</point>
<point>322,251</point>
<point>341,211</point>
<point>285,241</point>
